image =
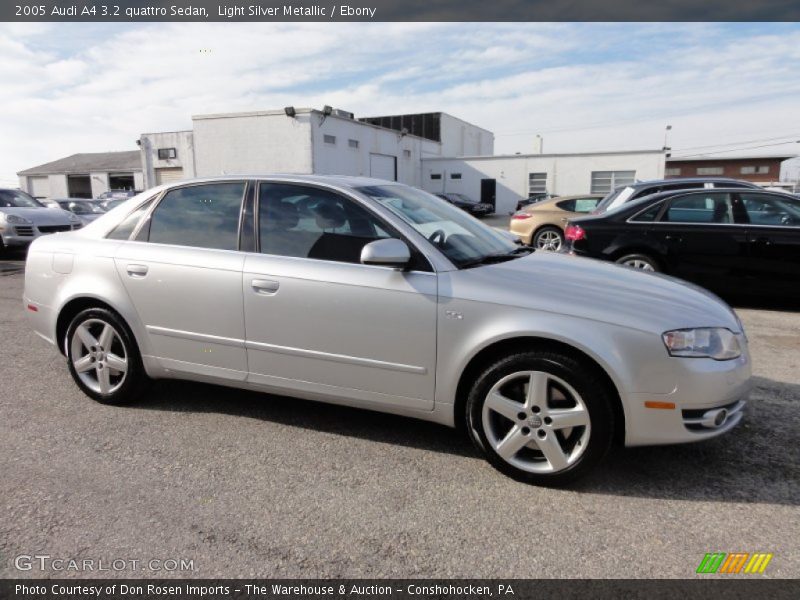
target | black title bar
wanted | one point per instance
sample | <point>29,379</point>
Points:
<point>127,11</point>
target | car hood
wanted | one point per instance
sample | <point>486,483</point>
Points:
<point>595,290</point>
<point>40,216</point>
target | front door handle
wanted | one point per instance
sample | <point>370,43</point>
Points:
<point>137,270</point>
<point>267,287</point>
<point>672,238</point>
<point>761,240</point>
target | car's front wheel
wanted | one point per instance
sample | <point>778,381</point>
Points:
<point>103,357</point>
<point>540,417</point>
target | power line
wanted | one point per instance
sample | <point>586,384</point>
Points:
<point>783,137</point>
<point>737,149</point>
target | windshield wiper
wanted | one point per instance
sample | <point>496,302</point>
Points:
<point>497,258</point>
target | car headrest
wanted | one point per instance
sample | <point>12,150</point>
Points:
<point>329,215</point>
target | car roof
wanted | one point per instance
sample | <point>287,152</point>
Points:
<point>649,182</point>
<point>349,181</point>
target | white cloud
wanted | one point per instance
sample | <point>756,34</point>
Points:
<point>74,88</point>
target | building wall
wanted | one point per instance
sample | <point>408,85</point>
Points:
<point>340,158</point>
<point>460,138</point>
<point>246,143</point>
<point>729,168</point>
<point>150,143</point>
<point>566,174</point>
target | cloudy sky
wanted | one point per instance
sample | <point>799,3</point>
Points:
<point>70,88</point>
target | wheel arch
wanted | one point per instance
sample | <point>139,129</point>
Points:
<point>77,304</point>
<point>504,347</point>
<point>649,251</point>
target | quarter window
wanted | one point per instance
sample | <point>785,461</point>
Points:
<point>203,216</point>
<point>700,208</point>
<point>580,205</point>
<point>772,210</point>
<point>124,230</point>
<point>309,222</point>
<point>605,181</point>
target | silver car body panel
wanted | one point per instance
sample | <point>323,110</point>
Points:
<point>381,338</point>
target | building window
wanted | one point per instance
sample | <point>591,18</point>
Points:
<point>710,170</point>
<point>351,143</point>
<point>329,139</point>
<point>167,153</point>
<point>407,153</point>
<point>537,183</point>
<point>762,170</point>
<point>436,175</point>
<point>455,175</point>
<point>672,172</point>
<point>605,181</point>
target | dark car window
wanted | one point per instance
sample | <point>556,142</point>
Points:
<point>648,215</point>
<point>309,222</point>
<point>700,208</point>
<point>18,199</point>
<point>580,205</point>
<point>203,216</point>
<point>124,230</point>
<point>763,209</point>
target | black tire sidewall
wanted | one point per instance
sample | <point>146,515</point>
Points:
<point>135,378</point>
<point>592,390</point>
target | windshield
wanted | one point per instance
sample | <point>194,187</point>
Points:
<point>81,208</point>
<point>614,199</point>
<point>460,237</point>
<point>18,199</point>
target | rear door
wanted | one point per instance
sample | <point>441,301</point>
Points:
<point>183,272</point>
<point>701,240</point>
<point>773,235</point>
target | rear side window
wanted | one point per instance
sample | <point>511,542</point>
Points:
<point>124,230</point>
<point>580,205</point>
<point>202,216</point>
<point>648,215</point>
<point>700,208</point>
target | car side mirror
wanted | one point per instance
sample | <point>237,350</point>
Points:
<point>386,253</point>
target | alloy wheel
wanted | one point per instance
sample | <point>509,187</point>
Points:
<point>536,422</point>
<point>99,356</point>
<point>638,263</point>
<point>548,240</point>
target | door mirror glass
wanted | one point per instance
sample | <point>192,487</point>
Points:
<point>386,253</point>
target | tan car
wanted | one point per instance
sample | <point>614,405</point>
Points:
<point>541,225</point>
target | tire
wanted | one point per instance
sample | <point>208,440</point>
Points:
<point>575,416</point>
<point>548,238</point>
<point>642,262</point>
<point>99,344</point>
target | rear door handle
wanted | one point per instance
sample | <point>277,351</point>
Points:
<point>137,270</point>
<point>761,240</point>
<point>267,287</point>
<point>672,238</point>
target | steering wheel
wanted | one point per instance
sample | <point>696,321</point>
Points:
<point>437,237</point>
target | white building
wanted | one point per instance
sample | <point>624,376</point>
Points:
<point>510,178</point>
<point>84,175</point>
<point>433,151</point>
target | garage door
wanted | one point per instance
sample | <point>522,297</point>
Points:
<point>39,187</point>
<point>168,175</point>
<point>383,166</point>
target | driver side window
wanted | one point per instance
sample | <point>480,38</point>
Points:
<point>771,210</point>
<point>309,222</point>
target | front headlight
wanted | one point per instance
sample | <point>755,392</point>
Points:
<point>17,220</point>
<point>73,217</point>
<point>705,342</point>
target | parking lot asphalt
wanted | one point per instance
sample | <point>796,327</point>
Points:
<point>249,485</point>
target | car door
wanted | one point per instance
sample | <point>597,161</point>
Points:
<point>701,240</point>
<point>320,322</point>
<point>183,272</point>
<point>773,235</point>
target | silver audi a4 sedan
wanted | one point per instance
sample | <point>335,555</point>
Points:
<point>373,294</point>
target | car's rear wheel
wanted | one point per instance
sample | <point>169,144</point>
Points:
<point>103,357</point>
<point>643,262</point>
<point>548,238</point>
<point>540,417</point>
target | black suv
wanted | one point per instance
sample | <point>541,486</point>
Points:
<point>640,189</point>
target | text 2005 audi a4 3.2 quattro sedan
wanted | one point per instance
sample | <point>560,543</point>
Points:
<point>377,295</point>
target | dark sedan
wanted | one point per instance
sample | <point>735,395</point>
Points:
<point>477,209</point>
<point>731,240</point>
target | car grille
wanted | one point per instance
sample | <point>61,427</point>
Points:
<point>54,228</point>
<point>77,226</point>
<point>693,419</point>
<point>24,230</point>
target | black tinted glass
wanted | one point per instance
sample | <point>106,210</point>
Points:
<point>203,216</point>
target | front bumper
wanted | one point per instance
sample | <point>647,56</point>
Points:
<point>23,235</point>
<point>709,399</point>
